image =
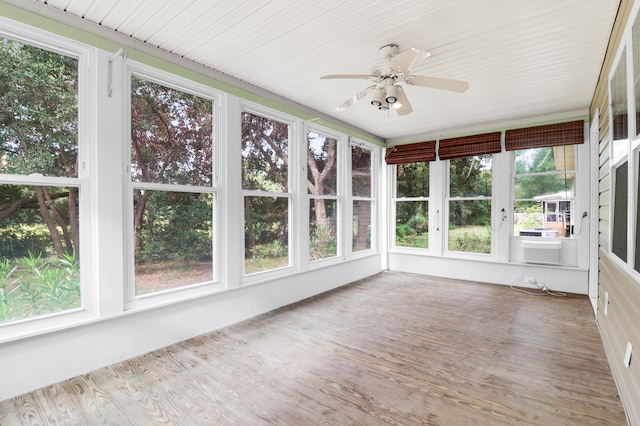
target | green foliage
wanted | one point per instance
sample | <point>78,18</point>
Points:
<point>470,241</point>
<point>177,227</point>
<point>322,243</point>
<point>470,176</point>
<point>33,285</point>
<point>412,180</point>
<point>19,240</point>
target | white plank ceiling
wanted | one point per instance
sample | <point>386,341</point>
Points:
<point>522,59</point>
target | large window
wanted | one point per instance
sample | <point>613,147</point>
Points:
<point>412,205</point>
<point>172,186</point>
<point>265,184</point>
<point>470,192</point>
<point>362,198</point>
<point>40,182</point>
<point>544,191</point>
<point>322,186</point>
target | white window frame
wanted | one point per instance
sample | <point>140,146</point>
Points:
<point>194,290</point>
<point>576,218</point>
<point>84,182</point>
<point>447,203</point>
<point>394,203</point>
<point>373,152</point>
<point>292,194</point>
<point>339,198</point>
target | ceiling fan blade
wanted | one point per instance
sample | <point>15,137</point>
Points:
<point>408,59</point>
<point>438,83</point>
<point>406,106</point>
<point>359,76</point>
<point>355,98</point>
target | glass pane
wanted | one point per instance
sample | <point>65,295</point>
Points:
<point>412,224</point>
<point>619,99</point>
<point>38,111</point>
<point>470,176</point>
<point>173,239</point>
<point>39,268</point>
<point>620,203</point>
<point>323,229</point>
<point>322,170</point>
<point>545,187</point>
<point>361,225</point>
<point>171,135</point>
<point>636,68</point>
<point>264,153</point>
<point>266,233</point>
<point>547,218</point>
<point>636,265</point>
<point>360,172</point>
<point>470,226</point>
<point>547,159</point>
<point>412,180</point>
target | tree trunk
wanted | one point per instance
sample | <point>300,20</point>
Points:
<point>364,220</point>
<point>74,222</point>
<point>46,217</point>
<point>138,216</point>
<point>60,221</point>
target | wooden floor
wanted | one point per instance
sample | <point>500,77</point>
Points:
<point>395,348</point>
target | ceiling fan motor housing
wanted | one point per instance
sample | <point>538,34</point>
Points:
<point>388,51</point>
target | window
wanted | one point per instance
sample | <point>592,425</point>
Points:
<point>412,205</point>
<point>41,184</point>
<point>362,198</point>
<point>172,186</point>
<point>544,191</point>
<point>470,191</point>
<point>322,185</point>
<point>619,108</point>
<point>620,205</point>
<point>265,184</point>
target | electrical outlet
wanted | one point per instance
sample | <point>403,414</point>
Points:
<point>627,355</point>
<point>606,303</point>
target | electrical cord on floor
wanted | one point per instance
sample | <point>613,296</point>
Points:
<point>542,291</point>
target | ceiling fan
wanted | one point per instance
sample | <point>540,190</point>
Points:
<point>387,76</point>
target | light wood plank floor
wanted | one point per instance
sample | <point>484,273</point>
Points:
<point>396,348</point>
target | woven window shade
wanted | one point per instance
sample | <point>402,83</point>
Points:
<point>421,152</point>
<point>570,133</point>
<point>467,146</point>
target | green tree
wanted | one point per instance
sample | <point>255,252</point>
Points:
<point>171,143</point>
<point>39,135</point>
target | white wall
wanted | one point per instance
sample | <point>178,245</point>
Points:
<point>555,278</point>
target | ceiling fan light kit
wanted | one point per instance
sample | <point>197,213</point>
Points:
<point>388,76</point>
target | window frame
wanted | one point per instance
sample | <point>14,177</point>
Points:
<point>292,195</point>
<point>85,180</point>
<point>626,150</point>
<point>574,200</point>
<point>154,75</point>
<point>395,199</point>
<point>339,198</point>
<point>447,199</point>
<point>374,155</point>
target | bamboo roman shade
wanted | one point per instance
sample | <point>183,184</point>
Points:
<point>569,133</point>
<point>421,152</point>
<point>467,146</point>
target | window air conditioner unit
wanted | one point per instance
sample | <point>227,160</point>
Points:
<point>543,252</point>
<point>539,232</point>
